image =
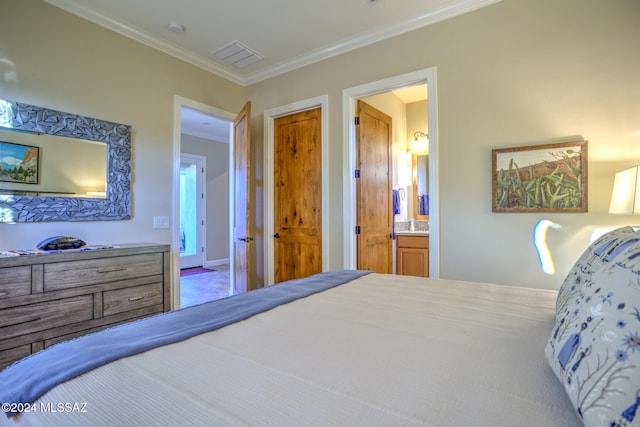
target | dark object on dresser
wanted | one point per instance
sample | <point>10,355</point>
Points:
<point>60,243</point>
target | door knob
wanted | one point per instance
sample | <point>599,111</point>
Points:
<point>277,235</point>
<point>245,239</point>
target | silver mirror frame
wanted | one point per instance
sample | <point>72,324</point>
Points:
<point>117,204</point>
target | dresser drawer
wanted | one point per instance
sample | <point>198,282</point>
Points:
<point>71,274</point>
<point>7,357</point>
<point>127,299</point>
<point>31,318</point>
<point>15,281</point>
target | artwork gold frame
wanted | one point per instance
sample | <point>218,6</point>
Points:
<point>540,178</point>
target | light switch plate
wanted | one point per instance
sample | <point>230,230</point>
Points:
<point>160,222</point>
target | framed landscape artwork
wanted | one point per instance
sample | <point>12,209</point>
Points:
<point>540,178</point>
<point>19,163</point>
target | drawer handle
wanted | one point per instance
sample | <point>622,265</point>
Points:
<point>136,298</point>
<point>111,269</point>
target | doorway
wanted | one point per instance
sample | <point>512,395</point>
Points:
<point>219,124</point>
<point>350,97</point>
<point>192,210</point>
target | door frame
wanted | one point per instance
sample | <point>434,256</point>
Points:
<point>349,98</point>
<point>201,190</point>
<point>178,103</point>
<point>269,137</point>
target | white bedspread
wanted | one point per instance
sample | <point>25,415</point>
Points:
<point>379,351</point>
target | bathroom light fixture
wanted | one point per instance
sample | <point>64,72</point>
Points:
<point>417,135</point>
<point>625,197</point>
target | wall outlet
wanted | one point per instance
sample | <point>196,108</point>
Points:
<point>160,222</point>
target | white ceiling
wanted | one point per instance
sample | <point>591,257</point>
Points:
<point>288,34</point>
<point>197,123</point>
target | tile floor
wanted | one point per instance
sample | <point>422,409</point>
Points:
<point>204,287</point>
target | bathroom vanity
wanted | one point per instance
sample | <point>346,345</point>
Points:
<point>412,253</point>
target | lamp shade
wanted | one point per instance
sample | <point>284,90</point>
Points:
<point>625,197</point>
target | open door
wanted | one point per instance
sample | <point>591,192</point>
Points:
<point>240,220</point>
<point>373,190</point>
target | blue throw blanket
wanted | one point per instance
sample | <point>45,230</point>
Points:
<point>30,378</point>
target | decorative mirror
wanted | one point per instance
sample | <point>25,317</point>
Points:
<point>31,192</point>
<point>420,172</point>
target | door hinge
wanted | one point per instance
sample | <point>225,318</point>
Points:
<point>357,229</point>
<point>357,173</point>
<point>356,120</point>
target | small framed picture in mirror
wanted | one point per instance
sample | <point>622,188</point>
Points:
<point>19,163</point>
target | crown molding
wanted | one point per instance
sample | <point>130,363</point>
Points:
<point>147,39</point>
<point>367,38</point>
<point>328,51</point>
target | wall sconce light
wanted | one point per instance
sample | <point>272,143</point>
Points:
<point>417,135</point>
<point>625,197</point>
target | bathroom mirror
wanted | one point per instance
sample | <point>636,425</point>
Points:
<point>68,146</point>
<point>420,173</point>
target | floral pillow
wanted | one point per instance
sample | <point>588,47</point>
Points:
<point>591,260</point>
<point>594,348</point>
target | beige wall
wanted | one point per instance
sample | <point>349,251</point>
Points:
<point>515,73</point>
<point>54,59</point>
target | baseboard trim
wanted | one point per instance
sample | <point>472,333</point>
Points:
<point>216,262</point>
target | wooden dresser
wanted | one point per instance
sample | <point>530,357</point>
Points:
<point>48,298</point>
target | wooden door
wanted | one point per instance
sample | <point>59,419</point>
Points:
<point>297,195</point>
<point>374,214</point>
<point>241,174</point>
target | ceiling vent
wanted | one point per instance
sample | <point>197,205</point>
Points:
<point>371,1</point>
<point>237,55</point>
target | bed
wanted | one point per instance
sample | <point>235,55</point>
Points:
<point>372,350</point>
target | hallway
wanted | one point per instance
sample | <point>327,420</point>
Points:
<point>203,287</point>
